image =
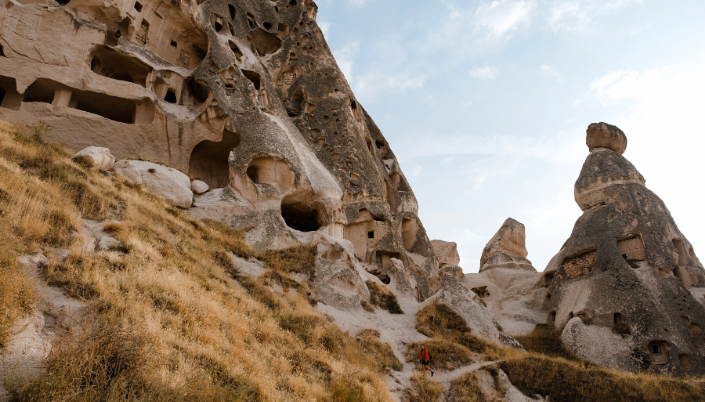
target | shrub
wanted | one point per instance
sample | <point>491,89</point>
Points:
<point>383,298</point>
<point>427,390</point>
<point>17,294</point>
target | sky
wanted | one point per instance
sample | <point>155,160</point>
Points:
<point>485,105</point>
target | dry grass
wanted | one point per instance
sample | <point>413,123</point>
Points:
<point>545,339</point>
<point>570,381</point>
<point>171,319</point>
<point>440,322</point>
<point>424,389</point>
<point>445,355</point>
<point>465,389</point>
<point>383,298</point>
<point>368,340</point>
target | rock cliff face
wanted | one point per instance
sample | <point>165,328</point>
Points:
<point>242,95</point>
<point>627,285</point>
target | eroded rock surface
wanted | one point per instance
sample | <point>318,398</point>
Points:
<point>507,248</point>
<point>624,285</point>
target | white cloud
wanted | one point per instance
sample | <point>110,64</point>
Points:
<point>549,72</point>
<point>345,57</point>
<point>359,3</point>
<point>485,169</point>
<point>485,73</point>
<point>373,83</point>
<point>498,18</point>
<point>325,28</point>
<point>562,147</point>
<point>663,119</point>
<point>467,104</point>
<point>628,84</point>
<point>429,100</point>
<point>416,170</point>
<point>580,15</point>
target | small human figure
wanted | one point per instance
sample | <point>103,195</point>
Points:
<point>426,359</point>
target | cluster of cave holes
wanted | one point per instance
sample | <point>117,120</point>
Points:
<point>658,350</point>
<point>300,216</point>
<point>117,109</point>
<point>209,160</point>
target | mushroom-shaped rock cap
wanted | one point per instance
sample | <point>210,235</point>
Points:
<point>603,135</point>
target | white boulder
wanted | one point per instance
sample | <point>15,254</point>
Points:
<point>168,183</point>
<point>102,158</point>
<point>199,187</point>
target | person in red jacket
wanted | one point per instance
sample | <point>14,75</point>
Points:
<point>426,359</point>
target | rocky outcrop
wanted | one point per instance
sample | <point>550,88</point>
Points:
<point>603,135</point>
<point>168,183</point>
<point>245,97</point>
<point>446,252</point>
<point>199,187</point>
<point>624,285</point>
<point>507,248</point>
<point>101,157</point>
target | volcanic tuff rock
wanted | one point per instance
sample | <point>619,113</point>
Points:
<point>102,158</point>
<point>603,135</point>
<point>507,248</point>
<point>242,95</point>
<point>626,286</point>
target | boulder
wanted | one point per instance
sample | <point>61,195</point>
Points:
<point>446,252</point>
<point>102,158</point>
<point>603,135</point>
<point>507,248</point>
<point>199,187</point>
<point>168,183</point>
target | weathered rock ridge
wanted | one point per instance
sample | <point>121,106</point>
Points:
<point>507,248</point>
<point>626,286</point>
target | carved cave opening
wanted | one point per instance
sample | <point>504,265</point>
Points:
<point>236,50</point>
<point>63,2</point>
<point>659,352</point>
<point>265,42</point>
<point>632,249</point>
<point>253,76</point>
<point>2,52</point>
<point>40,91</point>
<point>295,105</point>
<point>685,360</point>
<point>170,96</point>
<point>217,23</point>
<point>138,6</point>
<point>113,64</point>
<point>231,9</point>
<point>209,160</point>
<point>9,97</point>
<point>621,326</point>
<point>300,216</point>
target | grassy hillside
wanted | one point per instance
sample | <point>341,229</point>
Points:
<point>169,318</point>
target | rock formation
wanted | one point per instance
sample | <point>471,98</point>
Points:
<point>507,248</point>
<point>244,96</point>
<point>448,258</point>
<point>626,286</point>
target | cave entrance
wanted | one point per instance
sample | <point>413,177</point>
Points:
<point>113,64</point>
<point>209,160</point>
<point>409,231</point>
<point>300,216</point>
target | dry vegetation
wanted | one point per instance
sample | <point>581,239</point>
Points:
<point>566,381</point>
<point>383,298</point>
<point>426,389</point>
<point>169,317</point>
<point>545,339</point>
<point>545,369</point>
<point>465,389</point>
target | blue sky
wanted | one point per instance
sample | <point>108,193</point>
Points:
<point>485,104</point>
